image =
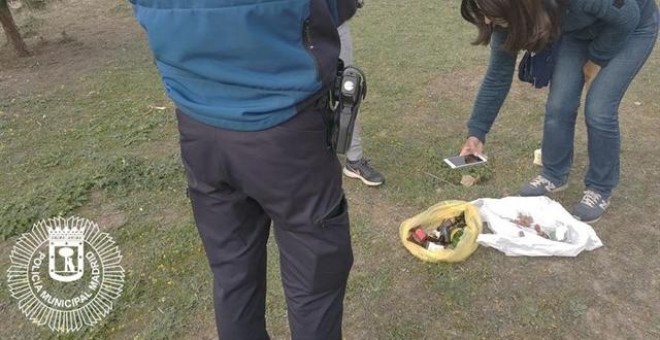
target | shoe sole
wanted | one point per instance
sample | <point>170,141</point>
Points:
<point>587,222</point>
<point>558,189</point>
<point>351,174</point>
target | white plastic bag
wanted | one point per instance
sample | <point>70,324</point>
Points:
<point>507,218</point>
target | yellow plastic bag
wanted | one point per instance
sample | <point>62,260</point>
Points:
<point>432,217</point>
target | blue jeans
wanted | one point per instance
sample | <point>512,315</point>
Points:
<point>601,108</point>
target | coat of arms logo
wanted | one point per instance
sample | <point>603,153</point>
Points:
<point>81,282</point>
<point>68,245</point>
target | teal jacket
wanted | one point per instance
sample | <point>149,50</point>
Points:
<point>244,65</point>
<point>606,24</point>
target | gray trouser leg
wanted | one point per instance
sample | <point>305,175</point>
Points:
<point>346,52</point>
<point>354,153</point>
<point>240,181</point>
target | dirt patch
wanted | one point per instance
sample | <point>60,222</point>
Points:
<point>455,92</point>
<point>75,37</point>
<point>104,213</point>
<point>462,86</point>
<point>204,327</point>
<point>457,86</point>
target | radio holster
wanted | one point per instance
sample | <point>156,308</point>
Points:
<point>349,90</point>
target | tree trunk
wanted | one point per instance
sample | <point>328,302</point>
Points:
<point>11,31</point>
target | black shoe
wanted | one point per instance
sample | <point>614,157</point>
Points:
<point>363,171</point>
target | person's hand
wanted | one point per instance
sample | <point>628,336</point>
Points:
<point>590,70</point>
<point>472,146</point>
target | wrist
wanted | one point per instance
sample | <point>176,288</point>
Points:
<point>480,135</point>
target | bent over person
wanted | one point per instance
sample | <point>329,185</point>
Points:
<point>601,46</point>
<point>250,81</point>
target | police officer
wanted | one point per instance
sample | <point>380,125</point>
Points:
<point>250,81</point>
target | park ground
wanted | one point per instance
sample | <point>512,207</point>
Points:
<point>86,130</point>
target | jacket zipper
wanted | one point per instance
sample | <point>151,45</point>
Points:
<point>307,39</point>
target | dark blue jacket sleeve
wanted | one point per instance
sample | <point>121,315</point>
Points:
<point>342,10</point>
<point>494,88</point>
<point>621,18</point>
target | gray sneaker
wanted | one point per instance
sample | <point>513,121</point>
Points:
<point>363,171</point>
<point>591,207</point>
<point>540,186</point>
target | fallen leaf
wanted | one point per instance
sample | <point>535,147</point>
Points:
<point>468,180</point>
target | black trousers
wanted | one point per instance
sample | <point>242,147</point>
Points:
<point>241,181</point>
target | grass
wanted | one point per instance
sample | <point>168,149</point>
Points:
<point>104,146</point>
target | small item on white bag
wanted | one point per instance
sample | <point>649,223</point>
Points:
<point>534,226</point>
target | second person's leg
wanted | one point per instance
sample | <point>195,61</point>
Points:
<point>560,116</point>
<point>356,165</point>
<point>602,118</point>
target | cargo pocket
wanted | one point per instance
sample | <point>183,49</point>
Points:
<point>334,251</point>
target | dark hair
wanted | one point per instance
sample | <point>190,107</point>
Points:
<point>532,24</point>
